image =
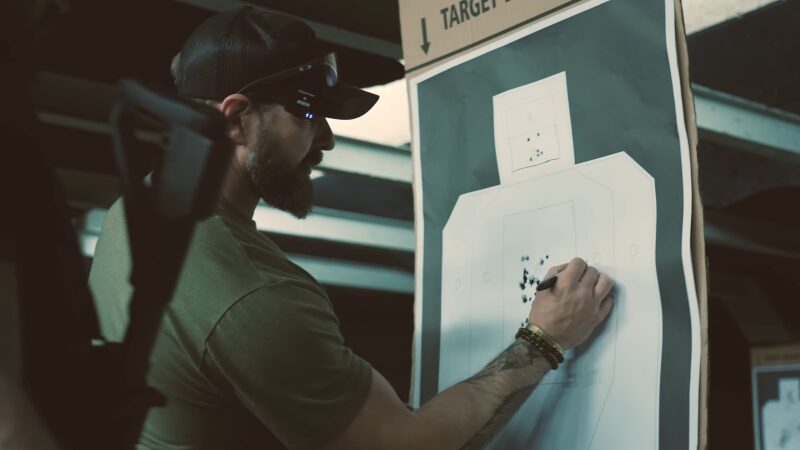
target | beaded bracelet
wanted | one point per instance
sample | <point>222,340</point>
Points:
<point>536,343</point>
<point>541,346</point>
<point>547,338</point>
<point>551,353</point>
<point>552,345</point>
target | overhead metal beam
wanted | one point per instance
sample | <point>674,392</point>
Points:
<point>324,31</point>
<point>55,95</point>
<point>323,224</point>
<point>751,236</point>
<point>702,14</point>
<point>73,96</point>
<point>87,190</point>
<point>350,155</point>
<point>370,159</point>
<point>339,226</point>
<point>332,272</point>
<point>744,124</point>
<point>72,122</point>
<point>327,225</point>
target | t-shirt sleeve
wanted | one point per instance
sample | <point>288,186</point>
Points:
<point>280,352</point>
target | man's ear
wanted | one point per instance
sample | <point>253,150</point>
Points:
<point>234,107</point>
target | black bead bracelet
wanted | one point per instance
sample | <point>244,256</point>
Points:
<point>552,354</point>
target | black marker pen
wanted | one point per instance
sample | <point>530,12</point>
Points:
<point>548,283</point>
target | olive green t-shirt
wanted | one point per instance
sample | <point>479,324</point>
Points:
<point>249,343</point>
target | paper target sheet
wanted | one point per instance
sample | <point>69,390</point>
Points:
<point>563,137</point>
<point>497,246</point>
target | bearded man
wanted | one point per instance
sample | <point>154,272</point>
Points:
<point>250,352</point>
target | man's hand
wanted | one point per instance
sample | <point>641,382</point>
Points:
<point>571,309</point>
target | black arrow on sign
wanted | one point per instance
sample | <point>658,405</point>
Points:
<point>425,44</point>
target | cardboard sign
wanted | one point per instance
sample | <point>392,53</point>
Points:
<point>492,80</point>
<point>775,356</point>
<point>435,29</point>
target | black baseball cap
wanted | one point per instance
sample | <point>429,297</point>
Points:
<point>266,55</point>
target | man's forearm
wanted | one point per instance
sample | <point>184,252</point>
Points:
<point>470,413</point>
<point>499,420</point>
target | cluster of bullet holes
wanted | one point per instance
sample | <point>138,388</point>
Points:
<point>530,281</point>
<point>539,152</point>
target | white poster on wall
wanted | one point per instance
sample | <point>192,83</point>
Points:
<point>563,138</point>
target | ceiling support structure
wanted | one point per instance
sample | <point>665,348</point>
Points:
<point>323,224</point>
<point>328,271</point>
<point>56,94</point>
<point>744,124</point>
<point>339,226</point>
<point>752,236</point>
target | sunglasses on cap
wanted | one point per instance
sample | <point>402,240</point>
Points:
<point>320,72</point>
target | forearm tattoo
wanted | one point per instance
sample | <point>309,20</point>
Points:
<point>518,355</point>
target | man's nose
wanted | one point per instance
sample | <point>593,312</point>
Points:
<point>323,137</point>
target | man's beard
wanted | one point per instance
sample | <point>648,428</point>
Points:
<point>279,184</point>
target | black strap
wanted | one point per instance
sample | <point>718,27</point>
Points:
<point>161,214</point>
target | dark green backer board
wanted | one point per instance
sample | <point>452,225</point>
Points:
<point>620,98</point>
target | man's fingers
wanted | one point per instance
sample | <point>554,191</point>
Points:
<point>603,286</point>
<point>590,277</point>
<point>551,272</point>
<point>605,306</point>
<point>572,273</point>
